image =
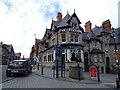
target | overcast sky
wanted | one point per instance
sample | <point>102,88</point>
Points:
<point>21,19</point>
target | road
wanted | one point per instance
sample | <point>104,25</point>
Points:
<point>35,81</point>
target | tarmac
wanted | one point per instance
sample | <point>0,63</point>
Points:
<point>108,79</point>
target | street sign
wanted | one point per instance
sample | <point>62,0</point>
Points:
<point>117,56</point>
<point>93,71</point>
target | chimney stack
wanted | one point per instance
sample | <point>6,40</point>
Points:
<point>88,26</point>
<point>59,17</point>
<point>106,25</point>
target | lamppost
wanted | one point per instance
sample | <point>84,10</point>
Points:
<point>116,59</point>
<point>57,72</point>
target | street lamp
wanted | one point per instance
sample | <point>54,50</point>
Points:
<point>57,72</point>
<point>116,54</point>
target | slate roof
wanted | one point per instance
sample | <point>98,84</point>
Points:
<point>47,32</point>
<point>74,15</point>
<point>89,36</point>
<point>117,37</point>
<point>55,23</point>
<point>81,29</point>
<point>85,36</point>
<point>64,23</point>
<point>93,36</point>
<point>98,30</point>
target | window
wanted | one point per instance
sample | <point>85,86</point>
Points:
<point>46,45</point>
<point>72,37</point>
<point>52,57</point>
<point>76,38</point>
<point>95,58</point>
<point>74,25</point>
<point>63,51</point>
<point>63,38</point>
<point>72,55</point>
<point>100,58</point>
<point>45,58</point>
<point>48,57</point>
<point>94,43</point>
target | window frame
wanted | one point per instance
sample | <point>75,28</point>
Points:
<point>63,37</point>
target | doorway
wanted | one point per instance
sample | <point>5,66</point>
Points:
<point>86,64</point>
<point>107,65</point>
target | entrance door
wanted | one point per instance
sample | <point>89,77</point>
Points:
<point>86,62</point>
<point>107,65</point>
<point>63,59</point>
<point>63,66</point>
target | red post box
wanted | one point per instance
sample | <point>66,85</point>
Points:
<point>93,71</point>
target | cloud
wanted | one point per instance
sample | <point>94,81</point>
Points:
<point>21,19</point>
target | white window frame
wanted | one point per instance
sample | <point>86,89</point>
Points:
<point>95,57</point>
<point>100,58</point>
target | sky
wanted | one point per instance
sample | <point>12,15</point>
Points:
<point>21,20</point>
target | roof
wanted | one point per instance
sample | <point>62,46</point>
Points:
<point>93,36</point>
<point>48,31</point>
<point>85,36</point>
<point>55,23</point>
<point>74,15</point>
<point>89,36</point>
<point>98,30</point>
<point>115,40</point>
<point>37,40</point>
<point>64,23</point>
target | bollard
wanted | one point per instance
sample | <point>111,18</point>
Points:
<point>53,68</point>
<point>42,71</point>
<point>98,74</point>
<point>61,71</point>
<point>38,67</point>
<point>117,83</point>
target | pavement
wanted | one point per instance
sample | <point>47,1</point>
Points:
<point>108,79</point>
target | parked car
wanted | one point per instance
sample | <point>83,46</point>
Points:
<point>22,67</point>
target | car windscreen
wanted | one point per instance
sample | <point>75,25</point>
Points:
<point>16,62</point>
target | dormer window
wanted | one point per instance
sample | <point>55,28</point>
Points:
<point>74,25</point>
<point>46,45</point>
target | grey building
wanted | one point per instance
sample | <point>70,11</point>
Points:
<point>62,40</point>
<point>100,46</point>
